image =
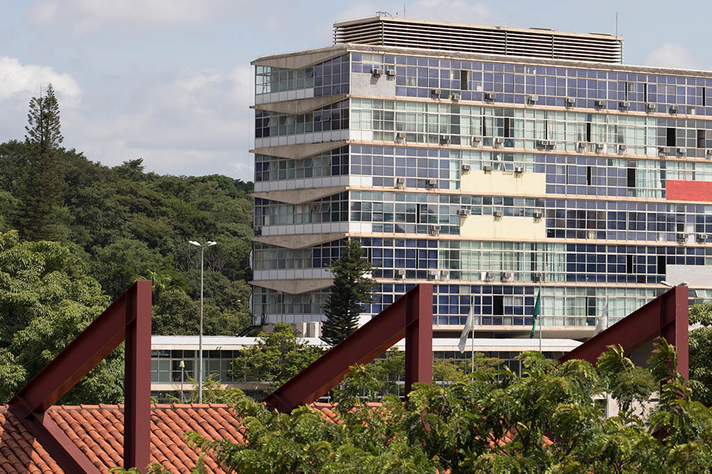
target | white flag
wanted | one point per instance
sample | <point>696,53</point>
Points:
<point>469,324</point>
<point>602,324</point>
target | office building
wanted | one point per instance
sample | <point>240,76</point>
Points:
<point>488,161</point>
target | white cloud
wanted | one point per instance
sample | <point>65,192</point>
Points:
<point>42,13</point>
<point>199,123</point>
<point>27,80</point>
<point>672,55</point>
<point>461,11</point>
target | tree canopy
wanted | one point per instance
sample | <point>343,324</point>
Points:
<point>549,420</point>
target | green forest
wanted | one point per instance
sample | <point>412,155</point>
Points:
<point>74,230</point>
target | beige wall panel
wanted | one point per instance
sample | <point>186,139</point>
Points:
<point>477,181</point>
<point>506,227</point>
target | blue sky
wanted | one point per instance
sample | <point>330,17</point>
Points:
<point>169,81</point>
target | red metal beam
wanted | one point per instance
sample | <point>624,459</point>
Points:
<point>128,318</point>
<point>665,316</point>
<point>410,316</point>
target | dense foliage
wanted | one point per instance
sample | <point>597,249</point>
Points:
<point>700,344</point>
<point>124,224</point>
<point>46,299</point>
<point>277,357</point>
<point>548,420</point>
<point>352,287</point>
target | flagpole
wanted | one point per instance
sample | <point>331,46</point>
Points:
<point>541,313</point>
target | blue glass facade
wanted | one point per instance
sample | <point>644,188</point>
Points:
<point>438,163</point>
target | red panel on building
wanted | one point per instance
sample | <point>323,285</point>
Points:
<point>700,191</point>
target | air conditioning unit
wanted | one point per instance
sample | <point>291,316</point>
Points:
<point>497,214</point>
<point>444,140</point>
<point>434,229</point>
<point>681,237</point>
<point>533,99</point>
<point>377,72</point>
<point>651,107</point>
<point>709,154</point>
<point>490,96</point>
<point>257,232</point>
<point>400,183</point>
<point>444,275</point>
<point>390,72</point>
<point>624,104</point>
<point>466,167</point>
<point>489,276</point>
<point>702,238</point>
<point>662,152</point>
<point>431,182</point>
<point>507,276</point>
<point>400,137</point>
<point>315,207</point>
<point>537,276</point>
<point>673,109</point>
<point>582,146</point>
<point>518,169</point>
<point>463,212</point>
<point>542,143</point>
<point>681,151</point>
<point>455,97</point>
<point>600,103</point>
<point>399,273</point>
<point>476,141</point>
<point>433,274</point>
<point>622,148</point>
<point>436,92</point>
<point>498,142</point>
<point>538,214</point>
<point>487,168</point>
<point>600,147</point>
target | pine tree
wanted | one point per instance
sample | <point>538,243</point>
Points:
<point>351,288</point>
<point>40,195</point>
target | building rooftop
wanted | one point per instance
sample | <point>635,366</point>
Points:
<point>527,42</point>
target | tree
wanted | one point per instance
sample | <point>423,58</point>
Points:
<point>352,287</point>
<point>46,300</point>
<point>277,357</point>
<point>700,345</point>
<point>547,420</point>
<point>38,215</point>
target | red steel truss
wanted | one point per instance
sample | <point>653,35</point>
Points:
<point>665,316</point>
<point>128,318</point>
<point>411,316</point>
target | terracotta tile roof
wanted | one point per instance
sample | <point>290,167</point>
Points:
<point>98,431</point>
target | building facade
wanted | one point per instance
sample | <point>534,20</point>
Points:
<point>488,161</point>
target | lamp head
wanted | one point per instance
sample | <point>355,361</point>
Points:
<point>182,364</point>
<point>210,243</point>
<point>663,282</point>
<point>193,242</point>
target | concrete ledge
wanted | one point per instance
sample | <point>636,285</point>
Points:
<point>299,196</point>
<point>299,241</point>
<point>299,106</point>
<point>294,287</point>
<point>297,152</point>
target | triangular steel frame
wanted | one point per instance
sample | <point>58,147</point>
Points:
<point>127,319</point>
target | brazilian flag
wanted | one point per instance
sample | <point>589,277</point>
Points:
<point>537,311</point>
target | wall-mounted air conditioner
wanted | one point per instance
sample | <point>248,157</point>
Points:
<point>400,183</point>
<point>681,237</point>
<point>537,276</point>
<point>702,238</point>
<point>622,148</point>
<point>431,182</point>
<point>681,151</point>
<point>600,103</point>
<point>487,168</point>
<point>399,273</point>
<point>377,72</point>
<point>488,276</point>
<point>433,274</point>
<point>455,97</point>
<point>498,142</point>
<point>624,104</point>
<point>518,169</point>
<point>497,214</point>
<point>466,167</point>
<point>464,212</point>
<point>651,107</point>
<point>673,109</point>
<point>390,72</point>
<point>490,96</point>
<point>538,214</point>
<point>476,141</point>
<point>444,140</point>
<point>436,92</point>
<point>507,276</point>
<point>434,229</point>
<point>533,99</point>
<point>600,147</point>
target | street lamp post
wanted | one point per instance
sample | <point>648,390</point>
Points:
<point>209,243</point>
<point>182,376</point>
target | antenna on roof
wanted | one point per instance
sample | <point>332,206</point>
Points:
<point>616,24</point>
<point>380,13</point>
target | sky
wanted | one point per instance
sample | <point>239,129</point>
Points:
<point>170,81</point>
